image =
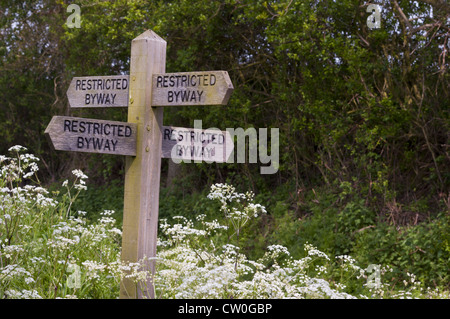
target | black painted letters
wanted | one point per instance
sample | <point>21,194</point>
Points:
<point>97,135</point>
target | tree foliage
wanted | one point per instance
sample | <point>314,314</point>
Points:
<point>367,108</point>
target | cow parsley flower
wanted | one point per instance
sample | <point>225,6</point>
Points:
<point>17,148</point>
<point>79,174</point>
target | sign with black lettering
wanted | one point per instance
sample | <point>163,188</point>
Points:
<point>185,144</point>
<point>191,88</point>
<point>91,135</point>
<point>99,91</point>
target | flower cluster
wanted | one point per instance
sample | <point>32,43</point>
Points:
<point>21,166</point>
<point>224,272</point>
<point>235,205</point>
<point>238,208</point>
<point>190,264</point>
<point>40,239</point>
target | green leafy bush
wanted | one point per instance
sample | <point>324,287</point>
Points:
<point>422,249</point>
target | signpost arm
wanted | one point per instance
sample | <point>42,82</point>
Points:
<point>142,172</point>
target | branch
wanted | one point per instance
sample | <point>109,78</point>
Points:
<point>402,14</point>
<point>440,5</point>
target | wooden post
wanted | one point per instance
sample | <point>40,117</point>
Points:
<point>142,174</point>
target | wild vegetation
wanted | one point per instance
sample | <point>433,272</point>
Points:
<point>48,250</point>
<point>364,128</point>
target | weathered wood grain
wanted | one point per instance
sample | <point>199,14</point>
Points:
<point>142,173</point>
<point>91,135</point>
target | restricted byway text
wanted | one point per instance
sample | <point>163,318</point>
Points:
<point>100,136</point>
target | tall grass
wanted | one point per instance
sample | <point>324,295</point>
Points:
<point>49,250</point>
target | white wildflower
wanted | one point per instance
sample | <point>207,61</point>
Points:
<point>24,294</point>
<point>17,148</point>
<point>93,268</point>
<point>313,251</point>
<point>79,174</point>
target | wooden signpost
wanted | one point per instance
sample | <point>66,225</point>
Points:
<point>143,138</point>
